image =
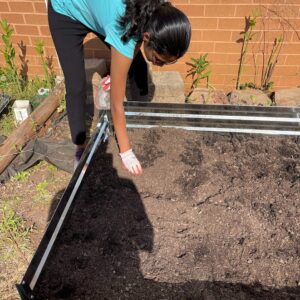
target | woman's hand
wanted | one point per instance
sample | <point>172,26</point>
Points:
<point>131,163</point>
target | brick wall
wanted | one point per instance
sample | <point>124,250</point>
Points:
<point>216,27</point>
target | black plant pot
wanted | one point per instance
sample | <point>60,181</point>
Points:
<point>4,100</point>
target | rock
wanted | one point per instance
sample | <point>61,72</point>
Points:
<point>287,97</point>
<point>168,87</point>
<point>249,97</point>
<point>208,96</point>
<point>95,70</point>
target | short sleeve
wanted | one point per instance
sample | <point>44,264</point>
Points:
<point>113,37</point>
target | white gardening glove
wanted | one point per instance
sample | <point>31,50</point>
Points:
<point>131,163</point>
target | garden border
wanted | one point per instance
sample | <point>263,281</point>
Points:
<point>242,119</point>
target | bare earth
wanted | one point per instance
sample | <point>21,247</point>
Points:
<point>213,217</point>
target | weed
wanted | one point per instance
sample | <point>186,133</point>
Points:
<point>62,105</point>
<point>7,123</point>
<point>14,82</point>
<point>21,176</point>
<point>51,168</point>
<point>41,189</point>
<point>14,234</point>
<point>46,64</point>
<point>11,70</point>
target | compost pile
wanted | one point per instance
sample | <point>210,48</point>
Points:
<point>213,217</point>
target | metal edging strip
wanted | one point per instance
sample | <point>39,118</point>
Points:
<point>215,129</point>
<point>215,117</point>
<point>206,108</point>
<point>64,213</point>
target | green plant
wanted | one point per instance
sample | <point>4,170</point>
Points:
<point>198,71</point>
<point>14,234</point>
<point>7,123</point>
<point>51,168</point>
<point>46,64</point>
<point>14,81</point>
<point>266,83</point>
<point>247,37</point>
<point>62,105</point>
<point>41,188</point>
<point>11,70</point>
<point>20,176</point>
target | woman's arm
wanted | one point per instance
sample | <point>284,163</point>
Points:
<point>120,65</point>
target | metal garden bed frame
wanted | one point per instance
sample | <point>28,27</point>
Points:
<point>205,118</point>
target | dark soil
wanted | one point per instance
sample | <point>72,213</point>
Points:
<point>213,217</point>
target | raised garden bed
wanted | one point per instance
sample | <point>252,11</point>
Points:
<point>215,216</point>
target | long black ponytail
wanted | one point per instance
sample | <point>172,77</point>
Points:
<point>169,28</point>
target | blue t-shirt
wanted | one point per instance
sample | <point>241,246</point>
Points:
<point>101,16</point>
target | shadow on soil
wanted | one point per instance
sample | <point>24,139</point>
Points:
<point>97,253</point>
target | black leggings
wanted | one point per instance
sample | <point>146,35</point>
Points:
<point>68,36</point>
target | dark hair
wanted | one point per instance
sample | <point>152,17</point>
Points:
<point>169,28</point>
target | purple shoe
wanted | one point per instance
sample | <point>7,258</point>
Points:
<point>78,153</point>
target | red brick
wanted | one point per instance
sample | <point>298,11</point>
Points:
<point>290,48</point>
<point>247,10</point>
<point>259,58</point>
<point>238,36</point>
<point>201,47</point>
<point>4,7</point>
<point>21,7</point>
<point>296,37</point>
<point>217,79</point>
<point>192,10</point>
<point>175,67</point>
<point>44,30</point>
<point>235,1</point>
<point>40,7</point>
<point>250,69</point>
<point>219,10</point>
<point>288,81</point>
<point>216,35</point>
<point>224,69</point>
<point>18,38</point>
<point>197,35</point>
<point>221,47</point>
<point>50,51</point>
<point>36,69</point>
<point>205,1</point>
<point>175,2</point>
<point>13,18</point>
<point>204,23</point>
<point>286,71</point>
<point>231,23</point>
<point>36,19</point>
<point>293,60</point>
<point>27,29</point>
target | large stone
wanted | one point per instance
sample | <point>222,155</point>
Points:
<point>288,97</point>
<point>208,96</point>
<point>168,87</point>
<point>95,70</point>
<point>249,97</point>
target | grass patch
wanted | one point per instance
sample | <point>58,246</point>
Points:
<point>7,123</point>
<point>21,176</point>
<point>42,192</point>
<point>15,235</point>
